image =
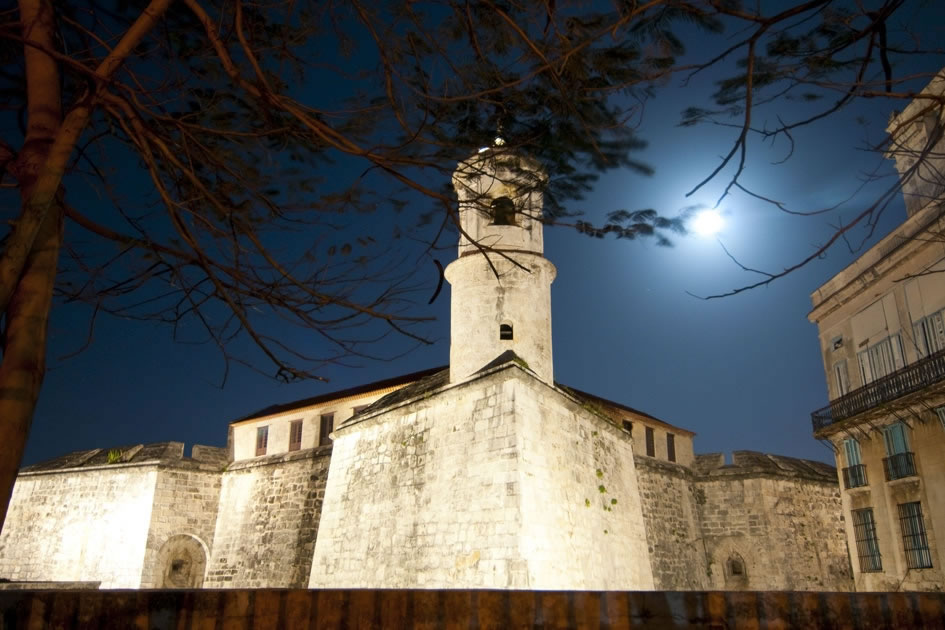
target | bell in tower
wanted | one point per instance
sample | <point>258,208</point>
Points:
<point>501,282</point>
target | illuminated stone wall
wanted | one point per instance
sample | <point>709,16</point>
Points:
<point>673,525</point>
<point>102,516</point>
<point>268,518</point>
<point>500,482</point>
<point>79,525</point>
<point>778,518</point>
<point>185,505</point>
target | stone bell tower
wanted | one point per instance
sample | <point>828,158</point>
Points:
<point>501,282</point>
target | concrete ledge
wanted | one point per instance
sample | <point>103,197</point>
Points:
<point>256,609</point>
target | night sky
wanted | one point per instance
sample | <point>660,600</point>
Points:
<point>743,372</point>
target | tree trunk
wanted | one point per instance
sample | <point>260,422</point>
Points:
<point>24,349</point>
<point>30,290</point>
<point>28,263</point>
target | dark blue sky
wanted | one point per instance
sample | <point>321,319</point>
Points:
<point>743,372</point>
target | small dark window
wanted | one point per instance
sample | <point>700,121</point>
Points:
<point>503,211</point>
<point>671,447</point>
<point>357,409</point>
<point>262,440</point>
<point>650,446</point>
<point>327,425</point>
<point>735,566</point>
<point>628,426</point>
<point>505,332</point>
<point>295,435</point>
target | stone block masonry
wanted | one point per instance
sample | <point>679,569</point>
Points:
<point>763,523</point>
<point>100,516</point>
<point>268,519</point>
<point>185,505</point>
<point>80,525</point>
<point>780,518</point>
<point>499,482</point>
<point>671,511</point>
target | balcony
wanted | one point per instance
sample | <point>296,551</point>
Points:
<point>911,378</point>
<point>899,466</point>
<point>854,476</point>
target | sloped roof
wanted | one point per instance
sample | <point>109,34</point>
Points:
<point>272,410</point>
<point>428,383</point>
<point>753,462</point>
<point>577,393</point>
<point>419,383</point>
<point>158,452</point>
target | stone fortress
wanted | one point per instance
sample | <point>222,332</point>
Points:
<point>483,474</point>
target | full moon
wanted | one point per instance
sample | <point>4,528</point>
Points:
<point>707,223</point>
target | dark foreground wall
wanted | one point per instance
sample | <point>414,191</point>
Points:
<point>258,609</point>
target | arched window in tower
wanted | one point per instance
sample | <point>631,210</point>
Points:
<point>503,211</point>
<point>505,332</point>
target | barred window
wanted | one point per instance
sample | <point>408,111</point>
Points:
<point>867,545</point>
<point>295,435</point>
<point>914,540</point>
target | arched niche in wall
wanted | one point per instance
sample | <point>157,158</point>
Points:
<point>181,562</point>
<point>736,572</point>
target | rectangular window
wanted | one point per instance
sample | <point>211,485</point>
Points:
<point>628,426</point>
<point>894,436</point>
<point>262,440</point>
<point>671,447</point>
<point>650,445</point>
<point>325,428</point>
<point>914,540</point>
<point>881,359</point>
<point>852,450</point>
<point>930,334</point>
<point>941,415</point>
<point>841,377</point>
<point>854,474</point>
<point>899,461</point>
<point>358,409</point>
<point>867,546</point>
<point>295,435</point>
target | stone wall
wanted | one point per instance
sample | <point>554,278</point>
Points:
<point>185,505</point>
<point>268,518</point>
<point>764,522</point>
<point>79,525</point>
<point>103,515</point>
<point>499,482</point>
<point>779,518</point>
<point>673,527</point>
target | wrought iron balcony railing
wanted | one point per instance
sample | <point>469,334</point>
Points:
<point>854,476</point>
<point>906,380</point>
<point>899,466</point>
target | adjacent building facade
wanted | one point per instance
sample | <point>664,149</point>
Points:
<point>881,323</point>
<point>483,474</point>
